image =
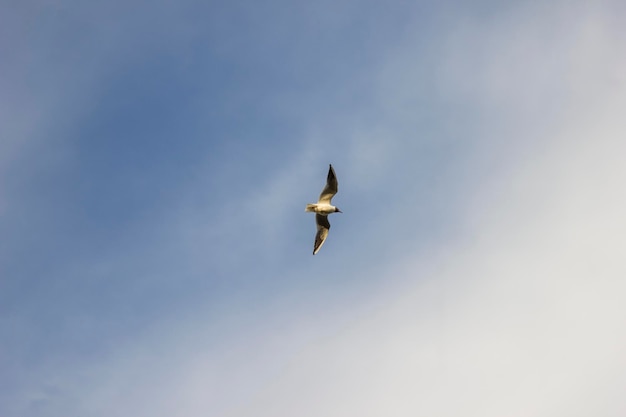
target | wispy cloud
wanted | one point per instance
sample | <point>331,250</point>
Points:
<point>523,318</point>
<point>489,284</point>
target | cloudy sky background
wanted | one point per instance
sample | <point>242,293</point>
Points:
<point>155,160</point>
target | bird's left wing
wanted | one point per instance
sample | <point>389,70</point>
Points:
<point>322,231</point>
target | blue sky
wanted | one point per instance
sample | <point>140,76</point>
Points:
<point>156,158</point>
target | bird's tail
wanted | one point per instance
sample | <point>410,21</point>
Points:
<point>310,208</point>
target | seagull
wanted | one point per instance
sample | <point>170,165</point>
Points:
<point>323,208</point>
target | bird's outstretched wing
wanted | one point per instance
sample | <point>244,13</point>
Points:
<point>322,231</point>
<point>331,187</point>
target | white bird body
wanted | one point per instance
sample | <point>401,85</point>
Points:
<point>323,208</point>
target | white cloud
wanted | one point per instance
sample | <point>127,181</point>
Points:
<point>521,316</point>
<point>525,315</point>
<point>524,319</point>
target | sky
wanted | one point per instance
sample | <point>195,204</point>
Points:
<point>156,159</point>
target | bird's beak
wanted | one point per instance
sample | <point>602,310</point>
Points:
<point>339,211</point>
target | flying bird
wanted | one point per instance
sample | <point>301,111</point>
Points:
<point>323,208</point>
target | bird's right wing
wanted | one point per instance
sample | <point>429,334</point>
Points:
<point>331,187</point>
